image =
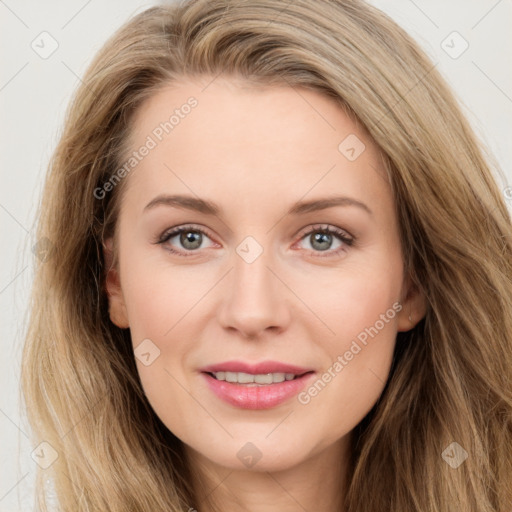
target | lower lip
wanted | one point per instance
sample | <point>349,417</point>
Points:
<point>257,397</point>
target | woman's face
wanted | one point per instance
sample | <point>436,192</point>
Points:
<point>289,263</point>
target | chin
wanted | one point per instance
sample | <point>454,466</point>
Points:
<point>258,456</point>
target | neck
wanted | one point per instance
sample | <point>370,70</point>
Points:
<point>317,483</point>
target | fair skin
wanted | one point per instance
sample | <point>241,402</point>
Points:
<point>255,152</point>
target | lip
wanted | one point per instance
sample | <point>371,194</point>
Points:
<point>265,396</point>
<point>255,368</point>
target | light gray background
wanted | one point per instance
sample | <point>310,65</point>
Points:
<point>34,93</point>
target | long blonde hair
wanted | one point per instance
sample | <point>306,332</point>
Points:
<point>451,379</point>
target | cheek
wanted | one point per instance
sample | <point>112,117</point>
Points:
<point>357,296</point>
<point>160,301</point>
<point>362,308</point>
<point>367,328</point>
<point>355,374</point>
<point>361,311</point>
<point>159,295</point>
<point>157,310</point>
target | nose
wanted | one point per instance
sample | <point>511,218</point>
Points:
<point>255,299</point>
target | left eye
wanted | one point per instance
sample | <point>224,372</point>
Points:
<point>320,238</point>
<point>191,238</point>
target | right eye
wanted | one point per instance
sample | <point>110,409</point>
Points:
<point>190,237</point>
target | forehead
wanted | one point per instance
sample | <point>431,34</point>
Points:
<point>246,141</point>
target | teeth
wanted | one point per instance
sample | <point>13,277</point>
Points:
<point>247,378</point>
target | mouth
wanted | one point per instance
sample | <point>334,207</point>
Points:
<point>256,391</point>
<point>259,379</point>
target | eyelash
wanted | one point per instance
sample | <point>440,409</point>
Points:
<point>340,234</point>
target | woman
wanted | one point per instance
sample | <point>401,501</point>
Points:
<point>261,373</point>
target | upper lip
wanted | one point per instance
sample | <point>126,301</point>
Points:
<point>262,367</point>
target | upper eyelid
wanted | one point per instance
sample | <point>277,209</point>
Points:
<point>325,227</point>
<point>190,227</point>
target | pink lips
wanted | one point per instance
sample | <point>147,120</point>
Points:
<point>260,396</point>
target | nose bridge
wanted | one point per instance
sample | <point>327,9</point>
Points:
<point>253,299</point>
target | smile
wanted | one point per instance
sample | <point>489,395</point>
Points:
<point>251,379</point>
<point>256,391</point>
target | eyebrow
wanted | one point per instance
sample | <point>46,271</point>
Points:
<point>209,208</point>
